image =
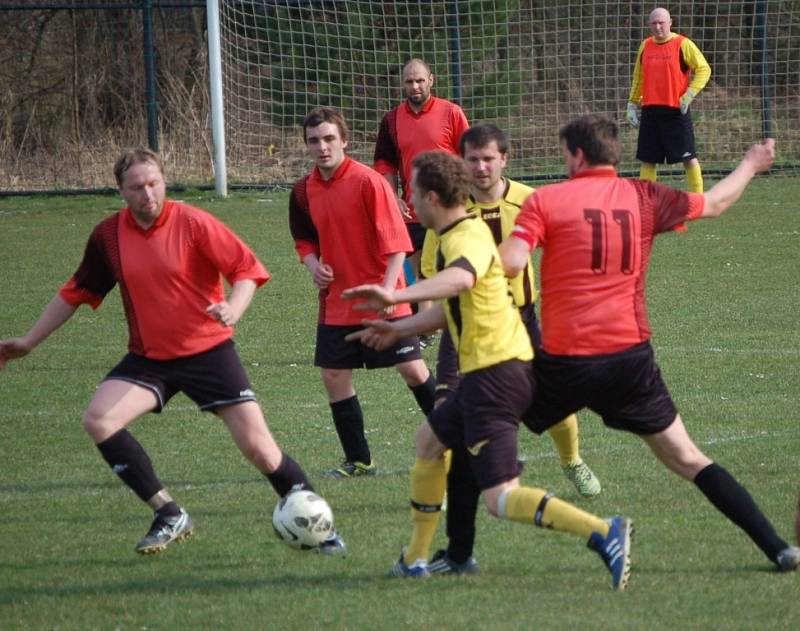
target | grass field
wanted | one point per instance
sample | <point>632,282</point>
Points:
<point>724,300</point>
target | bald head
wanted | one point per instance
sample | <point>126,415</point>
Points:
<point>417,83</point>
<point>660,22</point>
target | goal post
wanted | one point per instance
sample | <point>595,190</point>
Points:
<point>526,65</point>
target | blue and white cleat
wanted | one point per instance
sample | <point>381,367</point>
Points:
<point>164,531</point>
<point>334,545</point>
<point>418,569</point>
<point>615,550</point>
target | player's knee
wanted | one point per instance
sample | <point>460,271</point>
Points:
<point>414,372</point>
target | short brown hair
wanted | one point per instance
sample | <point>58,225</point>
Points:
<point>597,135</point>
<point>445,175</point>
<point>325,114</point>
<point>131,156</point>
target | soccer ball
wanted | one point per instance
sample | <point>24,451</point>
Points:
<point>302,520</point>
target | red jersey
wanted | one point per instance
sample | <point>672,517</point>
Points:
<point>168,275</point>
<point>597,233</point>
<point>404,134</point>
<point>352,223</point>
<point>665,74</point>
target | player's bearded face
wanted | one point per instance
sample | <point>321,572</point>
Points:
<point>485,165</point>
<point>417,83</point>
<point>144,190</point>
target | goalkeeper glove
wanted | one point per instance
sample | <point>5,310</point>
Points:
<point>686,100</point>
<point>633,114</point>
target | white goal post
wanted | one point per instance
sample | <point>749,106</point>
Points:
<point>526,65</point>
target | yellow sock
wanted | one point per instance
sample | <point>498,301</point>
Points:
<point>428,480</point>
<point>533,506</point>
<point>647,172</point>
<point>565,437</point>
<point>694,178</point>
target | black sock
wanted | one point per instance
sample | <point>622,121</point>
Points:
<point>425,394</point>
<point>733,501</point>
<point>463,495</point>
<point>128,459</point>
<point>170,509</point>
<point>349,421</point>
<point>289,476</point>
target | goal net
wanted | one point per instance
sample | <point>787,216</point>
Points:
<point>526,65</point>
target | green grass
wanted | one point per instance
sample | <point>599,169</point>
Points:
<point>724,300</point>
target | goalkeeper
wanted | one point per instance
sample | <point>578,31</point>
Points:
<point>661,93</point>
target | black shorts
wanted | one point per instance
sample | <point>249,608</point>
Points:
<point>416,232</point>
<point>212,379</point>
<point>333,351</point>
<point>625,389</point>
<point>665,135</point>
<point>447,376</point>
<point>483,416</point>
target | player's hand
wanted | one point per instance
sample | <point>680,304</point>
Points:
<point>686,100</point>
<point>13,348</point>
<point>633,113</point>
<point>223,313</point>
<point>322,276</point>
<point>761,155</point>
<point>376,297</point>
<point>378,334</point>
<point>404,209</point>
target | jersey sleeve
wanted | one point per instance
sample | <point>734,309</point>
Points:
<point>670,207</point>
<point>301,226</point>
<point>529,225</point>
<point>635,95</point>
<point>229,254</point>
<point>701,71</point>
<point>390,229</point>
<point>468,252</point>
<point>94,277</point>
<point>427,263</point>
<point>460,125</point>
<point>386,160</point>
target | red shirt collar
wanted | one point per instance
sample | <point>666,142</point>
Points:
<point>425,108</point>
<point>166,211</point>
<point>596,172</point>
<point>338,174</point>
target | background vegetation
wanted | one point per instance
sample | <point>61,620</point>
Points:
<point>73,85</point>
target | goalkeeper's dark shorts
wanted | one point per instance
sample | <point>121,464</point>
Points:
<point>665,135</point>
<point>625,389</point>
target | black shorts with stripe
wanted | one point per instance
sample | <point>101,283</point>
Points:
<point>665,135</point>
<point>333,351</point>
<point>212,379</point>
<point>626,389</point>
<point>483,416</point>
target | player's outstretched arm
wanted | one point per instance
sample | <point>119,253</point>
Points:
<point>381,334</point>
<point>514,254</point>
<point>724,194</point>
<point>53,316</point>
<point>230,311</point>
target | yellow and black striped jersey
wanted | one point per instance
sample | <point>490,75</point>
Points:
<point>500,216</point>
<point>484,323</point>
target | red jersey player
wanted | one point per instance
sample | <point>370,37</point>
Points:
<point>596,231</point>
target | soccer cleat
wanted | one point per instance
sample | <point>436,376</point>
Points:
<point>579,473</point>
<point>418,569</point>
<point>165,530</point>
<point>334,545</point>
<point>441,563</point>
<point>351,469</point>
<point>426,340</point>
<point>615,550</point>
<point>788,559</point>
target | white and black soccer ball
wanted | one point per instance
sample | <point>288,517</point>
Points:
<point>302,520</point>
